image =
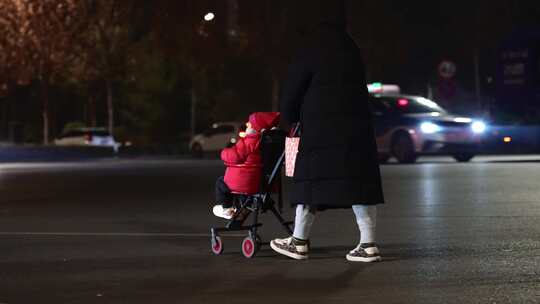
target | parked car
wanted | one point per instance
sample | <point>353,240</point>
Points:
<point>215,138</point>
<point>95,137</point>
<point>408,126</point>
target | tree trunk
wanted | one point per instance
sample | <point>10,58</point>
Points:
<point>45,109</point>
<point>193,110</point>
<point>91,116</point>
<point>4,121</point>
<point>110,107</point>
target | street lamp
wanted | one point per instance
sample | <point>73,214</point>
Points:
<point>201,30</point>
<point>209,17</point>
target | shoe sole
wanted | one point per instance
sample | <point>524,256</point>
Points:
<point>288,253</point>
<point>363,259</point>
<point>223,217</point>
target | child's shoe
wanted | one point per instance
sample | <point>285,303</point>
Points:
<point>226,213</point>
<point>291,247</point>
<point>364,253</point>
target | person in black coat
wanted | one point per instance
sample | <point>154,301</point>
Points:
<point>337,162</point>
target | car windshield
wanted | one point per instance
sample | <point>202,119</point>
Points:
<point>412,105</point>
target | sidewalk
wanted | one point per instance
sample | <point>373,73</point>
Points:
<point>10,153</point>
<point>37,153</point>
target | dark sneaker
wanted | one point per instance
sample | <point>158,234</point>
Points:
<point>290,248</point>
<point>364,253</point>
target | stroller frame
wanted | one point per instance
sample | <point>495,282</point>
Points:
<point>251,205</point>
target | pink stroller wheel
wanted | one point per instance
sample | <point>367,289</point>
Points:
<point>217,245</point>
<point>249,247</point>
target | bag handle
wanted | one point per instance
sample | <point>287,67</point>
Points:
<point>295,130</point>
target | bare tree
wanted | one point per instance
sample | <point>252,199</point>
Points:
<point>39,43</point>
<point>12,45</point>
<point>112,31</point>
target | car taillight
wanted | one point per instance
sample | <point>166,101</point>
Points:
<point>403,102</point>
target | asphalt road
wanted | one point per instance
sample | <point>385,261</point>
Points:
<point>126,231</point>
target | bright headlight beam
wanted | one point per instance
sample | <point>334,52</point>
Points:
<point>429,128</point>
<point>478,127</point>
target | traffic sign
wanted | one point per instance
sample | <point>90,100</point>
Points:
<point>447,69</point>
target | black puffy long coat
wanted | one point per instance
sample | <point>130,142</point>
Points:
<point>325,90</point>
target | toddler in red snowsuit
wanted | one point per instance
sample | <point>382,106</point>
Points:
<point>244,164</point>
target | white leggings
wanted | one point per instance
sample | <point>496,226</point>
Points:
<point>366,218</point>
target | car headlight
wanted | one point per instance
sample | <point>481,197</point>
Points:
<point>429,128</point>
<point>478,127</point>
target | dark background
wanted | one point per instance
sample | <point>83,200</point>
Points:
<point>233,65</point>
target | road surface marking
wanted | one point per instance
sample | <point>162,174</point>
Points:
<point>129,234</point>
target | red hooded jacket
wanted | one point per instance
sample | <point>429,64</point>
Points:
<point>243,160</point>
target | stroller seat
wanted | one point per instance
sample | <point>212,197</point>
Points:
<point>252,205</point>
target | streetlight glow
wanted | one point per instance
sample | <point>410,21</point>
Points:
<point>209,16</point>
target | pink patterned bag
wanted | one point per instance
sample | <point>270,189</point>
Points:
<point>291,149</point>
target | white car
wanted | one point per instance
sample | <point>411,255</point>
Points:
<point>215,138</point>
<point>408,126</point>
<point>94,137</point>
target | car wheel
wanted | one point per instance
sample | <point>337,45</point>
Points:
<point>463,158</point>
<point>403,149</point>
<point>196,150</point>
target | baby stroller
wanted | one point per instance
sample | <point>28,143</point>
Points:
<point>249,206</point>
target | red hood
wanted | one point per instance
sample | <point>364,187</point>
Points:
<point>264,120</point>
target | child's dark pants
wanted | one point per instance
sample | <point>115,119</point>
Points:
<point>223,193</point>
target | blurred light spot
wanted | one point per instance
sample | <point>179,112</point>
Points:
<point>209,16</point>
<point>507,139</point>
<point>403,102</point>
<point>463,119</point>
<point>478,127</point>
<point>428,103</point>
<point>429,128</point>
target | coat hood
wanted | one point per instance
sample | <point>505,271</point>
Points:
<point>312,14</point>
<point>264,120</point>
